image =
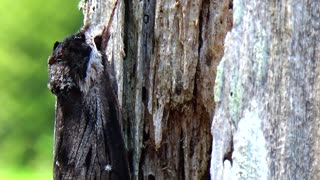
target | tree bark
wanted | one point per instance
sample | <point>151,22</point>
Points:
<point>266,122</point>
<point>177,72</point>
<point>171,53</point>
<point>164,56</point>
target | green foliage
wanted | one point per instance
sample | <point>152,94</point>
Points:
<point>28,31</point>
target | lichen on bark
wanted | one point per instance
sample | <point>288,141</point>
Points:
<point>270,60</point>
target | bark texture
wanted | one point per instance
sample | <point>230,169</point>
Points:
<point>260,100</point>
<point>164,56</point>
<point>266,122</point>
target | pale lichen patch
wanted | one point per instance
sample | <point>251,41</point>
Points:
<point>250,153</point>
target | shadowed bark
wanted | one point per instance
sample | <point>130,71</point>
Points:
<point>171,50</point>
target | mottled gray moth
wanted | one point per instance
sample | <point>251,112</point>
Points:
<point>88,136</point>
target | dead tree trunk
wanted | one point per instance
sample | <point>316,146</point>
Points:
<point>163,57</point>
<point>266,122</point>
<point>260,100</point>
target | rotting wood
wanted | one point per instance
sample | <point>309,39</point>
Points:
<point>172,49</point>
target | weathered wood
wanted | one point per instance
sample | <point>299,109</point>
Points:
<point>163,57</point>
<point>171,51</point>
<point>266,122</point>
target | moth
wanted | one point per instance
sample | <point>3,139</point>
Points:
<point>88,141</point>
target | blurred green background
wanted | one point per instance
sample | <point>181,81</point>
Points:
<point>28,31</point>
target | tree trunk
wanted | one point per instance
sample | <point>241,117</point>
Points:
<point>164,57</point>
<point>266,122</point>
<point>260,100</point>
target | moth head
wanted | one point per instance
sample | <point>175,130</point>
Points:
<point>73,65</point>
